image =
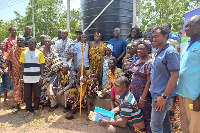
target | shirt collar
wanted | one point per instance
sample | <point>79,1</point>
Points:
<point>191,42</point>
<point>165,47</point>
<point>125,94</point>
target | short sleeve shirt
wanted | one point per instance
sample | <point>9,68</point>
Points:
<point>166,60</point>
<point>119,46</point>
<point>32,61</point>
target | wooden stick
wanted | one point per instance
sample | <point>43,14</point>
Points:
<point>82,62</point>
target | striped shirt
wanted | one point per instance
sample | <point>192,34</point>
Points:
<point>32,61</point>
<point>129,109</point>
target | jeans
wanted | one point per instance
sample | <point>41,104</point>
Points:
<point>160,120</point>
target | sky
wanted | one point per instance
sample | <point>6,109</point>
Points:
<point>7,7</point>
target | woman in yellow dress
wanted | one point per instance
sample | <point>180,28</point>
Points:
<point>96,54</point>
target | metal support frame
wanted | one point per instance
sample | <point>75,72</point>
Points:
<point>33,18</point>
<point>98,15</point>
<point>68,14</point>
<point>134,13</point>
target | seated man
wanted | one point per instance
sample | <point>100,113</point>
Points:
<point>61,83</point>
<point>131,118</point>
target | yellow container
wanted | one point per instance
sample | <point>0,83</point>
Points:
<point>191,106</point>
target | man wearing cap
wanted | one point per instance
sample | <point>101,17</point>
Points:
<point>119,47</point>
<point>78,36</point>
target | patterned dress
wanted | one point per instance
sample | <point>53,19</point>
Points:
<point>96,55</point>
<point>52,64</point>
<point>89,90</point>
<point>2,67</point>
<point>13,57</point>
<point>138,82</point>
<point>111,79</point>
<point>7,83</point>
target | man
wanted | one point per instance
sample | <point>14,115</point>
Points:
<point>131,118</point>
<point>77,51</point>
<point>27,35</point>
<point>188,84</point>
<point>39,45</point>
<point>64,47</point>
<point>32,61</point>
<point>78,36</point>
<point>58,37</point>
<point>61,83</point>
<point>164,76</point>
<point>119,47</point>
<point>173,39</point>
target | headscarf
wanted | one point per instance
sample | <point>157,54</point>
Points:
<point>98,34</point>
<point>110,47</point>
<point>148,34</point>
<point>148,44</point>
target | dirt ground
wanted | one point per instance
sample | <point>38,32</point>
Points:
<point>47,122</point>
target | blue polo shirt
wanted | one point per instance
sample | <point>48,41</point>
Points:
<point>189,76</point>
<point>119,46</point>
<point>165,61</point>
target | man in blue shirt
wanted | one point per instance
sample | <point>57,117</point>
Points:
<point>119,47</point>
<point>164,77</point>
<point>188,84</point>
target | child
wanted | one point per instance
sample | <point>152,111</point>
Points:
<point>2,63</point>
<point>32,61</point>
<point>78,53</point>
<point>106,58</point>
<point>6,84</point>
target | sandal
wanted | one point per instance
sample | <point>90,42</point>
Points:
<point>14,111</point>
<point>53,108</point>
<point>69,116</point>
<point>6,103</point>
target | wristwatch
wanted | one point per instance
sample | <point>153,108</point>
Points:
<point>164,96</point>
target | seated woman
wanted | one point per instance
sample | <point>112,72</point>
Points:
<point>112,76</point>
<point>61,83</point>
<point>89,88</point>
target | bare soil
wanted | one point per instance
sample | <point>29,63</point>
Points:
<point>47,122</point>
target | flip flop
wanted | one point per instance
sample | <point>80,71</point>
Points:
<point>14,111</point>
<point>27,114</point>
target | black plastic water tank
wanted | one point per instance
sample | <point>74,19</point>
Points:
<point>118,14</point>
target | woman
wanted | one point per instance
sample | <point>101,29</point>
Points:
<point>113,73</point>
<point>14,70</point>
<point>52,64</point>
<point>140,82</point>
<point>135,35</point>
<point>7,83</point>
<point>96,54</point>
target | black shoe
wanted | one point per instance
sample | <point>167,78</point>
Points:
<point>65,110</point>
<point>53,108</point>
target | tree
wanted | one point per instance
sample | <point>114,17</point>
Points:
<point>159,11</point>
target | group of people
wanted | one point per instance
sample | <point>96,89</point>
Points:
<point>150,85</point>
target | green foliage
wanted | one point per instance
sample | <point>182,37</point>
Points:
<point>49,16</point>
<point>159,11</point>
